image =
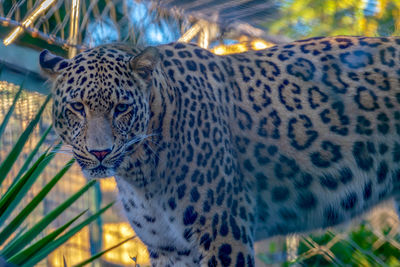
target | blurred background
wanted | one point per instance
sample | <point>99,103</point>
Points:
<point>66,27</point>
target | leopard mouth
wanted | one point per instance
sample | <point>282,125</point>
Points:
<point>100,168</point>
<point>98,172</point>
<point>104,169</point>
<point>95,169</point>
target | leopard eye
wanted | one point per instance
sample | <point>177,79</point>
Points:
<point>77,106</point>
<point>121,108</point>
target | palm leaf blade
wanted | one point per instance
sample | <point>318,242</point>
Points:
<point>19,219</point>
<point>32,154</point>
<point>7,164</point>
<point>11,248</point>
<point>62,239</point>
<point>11,194</point>
<point>23,188</point>
<point>24,255</point>
<point>98,255</point>
<point>10,111</point>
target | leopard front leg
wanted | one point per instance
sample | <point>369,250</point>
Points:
<point>218,233</point>
<point>226,239</point>
<point>226,233</point>
<point>173,259</point>
<point>220,250</point>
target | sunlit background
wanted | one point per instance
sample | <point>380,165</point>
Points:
<point>67,26</point>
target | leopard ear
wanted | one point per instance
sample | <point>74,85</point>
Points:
<point>144,63</point>
<point>50,64</point>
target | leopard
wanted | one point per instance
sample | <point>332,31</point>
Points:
<point>211,153</point>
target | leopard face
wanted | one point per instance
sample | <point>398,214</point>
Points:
<point>101,106</point>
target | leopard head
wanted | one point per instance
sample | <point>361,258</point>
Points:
<point>101,103</point>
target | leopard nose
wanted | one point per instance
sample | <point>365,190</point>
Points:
<point>100,154</point>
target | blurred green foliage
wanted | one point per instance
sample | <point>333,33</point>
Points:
<point>303,18</point>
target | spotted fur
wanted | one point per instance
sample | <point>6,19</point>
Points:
<point>211,153</point>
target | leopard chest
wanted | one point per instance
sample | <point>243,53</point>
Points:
<point>155,227</point>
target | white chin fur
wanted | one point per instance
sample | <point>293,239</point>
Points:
<point>91,174</point>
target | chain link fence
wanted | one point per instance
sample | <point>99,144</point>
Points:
<point>373,240</point>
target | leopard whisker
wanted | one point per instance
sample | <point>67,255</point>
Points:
<point>62,152</point>
<point>138,139</point>
<point>153,153</point>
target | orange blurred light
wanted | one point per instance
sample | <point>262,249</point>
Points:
<point>108,185</point>
<point>124,254</point>
<point>230,49</point>
<point>257,44</point>
<point>219,50</point>
<point>75,250</point>
<point>260,44</point>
